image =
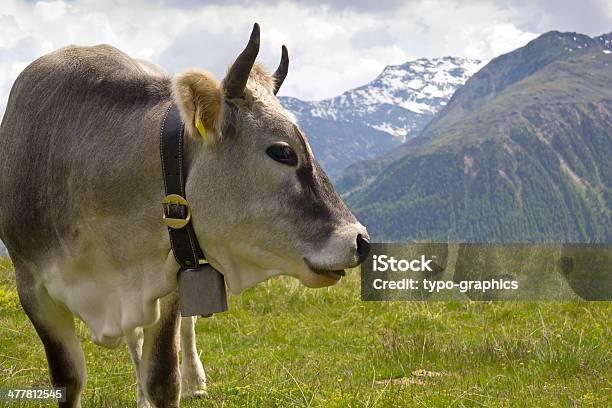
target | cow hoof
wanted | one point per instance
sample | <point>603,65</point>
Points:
<point>193,391</point>
<point>144,404</point>
<point>194,394</point>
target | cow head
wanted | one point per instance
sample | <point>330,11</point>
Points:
<point>261,204</point>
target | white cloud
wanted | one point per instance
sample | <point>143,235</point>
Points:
<point>50,10</point>
<point>332,48</point>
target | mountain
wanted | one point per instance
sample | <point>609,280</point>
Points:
<point>521,153</point>
<point>374,118</point>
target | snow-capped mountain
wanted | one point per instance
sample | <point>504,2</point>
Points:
<point>369,120</point>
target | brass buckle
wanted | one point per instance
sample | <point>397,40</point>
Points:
<point>176,223</point>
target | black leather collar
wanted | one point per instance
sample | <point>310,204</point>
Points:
<point>177,216</point>
<point>184,243</point>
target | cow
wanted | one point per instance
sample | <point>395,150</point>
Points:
<point>81,213</point>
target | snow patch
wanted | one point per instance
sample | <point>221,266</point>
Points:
<point>415,88</point>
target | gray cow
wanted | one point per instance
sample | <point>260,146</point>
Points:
<point>81,217</point>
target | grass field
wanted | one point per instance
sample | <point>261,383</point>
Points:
<point>284,345</point>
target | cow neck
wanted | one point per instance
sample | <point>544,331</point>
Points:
<point>177,217</point>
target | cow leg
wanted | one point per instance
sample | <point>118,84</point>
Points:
<point>159,367</point>
<point>55,327</point>
<point>193,378</point>
<point>134,342</point>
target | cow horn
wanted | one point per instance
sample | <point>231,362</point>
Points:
<point>238,74</point>
<point>281,71</point>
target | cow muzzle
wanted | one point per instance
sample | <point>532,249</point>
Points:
<point>346,248</point>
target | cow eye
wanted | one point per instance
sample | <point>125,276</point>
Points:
<point>282,153</point>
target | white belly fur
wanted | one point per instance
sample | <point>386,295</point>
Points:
<point>111,298</point>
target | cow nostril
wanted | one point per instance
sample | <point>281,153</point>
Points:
<point>363,248</point>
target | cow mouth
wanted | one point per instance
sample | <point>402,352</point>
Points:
<point>335,274</point>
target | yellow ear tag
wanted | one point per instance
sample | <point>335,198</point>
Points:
<point>200,126</point>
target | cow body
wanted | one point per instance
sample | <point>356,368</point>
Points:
<point>82,169</point>
<point>79,154</point>
<point>81,212</point>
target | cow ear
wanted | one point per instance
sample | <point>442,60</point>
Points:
<point>198,96</point>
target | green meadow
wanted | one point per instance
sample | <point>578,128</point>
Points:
<point>283,345</point>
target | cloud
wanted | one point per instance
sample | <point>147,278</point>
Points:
<point>333,45</point>
<point>591,17</point>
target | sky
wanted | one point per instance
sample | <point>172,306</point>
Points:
<point>333,46</point>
